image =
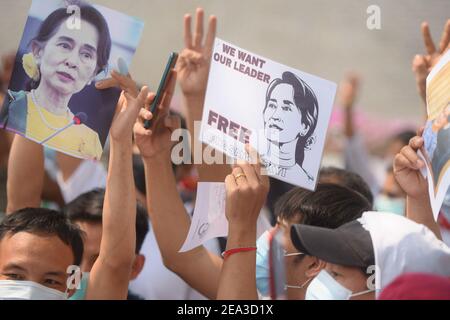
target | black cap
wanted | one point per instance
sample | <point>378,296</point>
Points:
<point>349,245</point>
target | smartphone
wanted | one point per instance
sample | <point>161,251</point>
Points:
<point>162,87</point>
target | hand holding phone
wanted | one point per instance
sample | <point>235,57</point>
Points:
<point>162,87</point>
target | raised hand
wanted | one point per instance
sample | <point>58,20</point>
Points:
<point>128,107</point>
<point>157,141</point>
<point>422,64</point>
<point>195,59</point>
<point>348,90</point>
<point>407,165</point>
<point>246,190</point>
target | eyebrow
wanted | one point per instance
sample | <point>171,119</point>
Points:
<point>288,102</point>
<point>63,38</point>
<point>56,273</point>
<point>90,48</point>
<point>14,266</point>
<point>273,100</point>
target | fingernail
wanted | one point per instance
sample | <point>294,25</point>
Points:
<point>122,65</point>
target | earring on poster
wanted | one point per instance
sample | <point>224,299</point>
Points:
<point>30,65</point>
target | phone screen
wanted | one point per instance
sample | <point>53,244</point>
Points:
<point>162,86</point>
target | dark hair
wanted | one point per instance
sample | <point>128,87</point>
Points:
<point>88,207</point>
<point>40,221</point>
<point>306,102</point>
<point>404,136</point>
<point>88,13</point>
<point>346,178</point>
<point>330,206</point>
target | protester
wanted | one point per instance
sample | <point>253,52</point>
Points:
<point>423,63</point>
<point>346,178</point>
<point>376,172</point>
<point>156,281</point>
<point>386,243</point>
<point>86,212</point>
<point>110,273</point>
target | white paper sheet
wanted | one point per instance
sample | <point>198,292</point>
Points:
<point>282,112</point>
<point>209,220</point>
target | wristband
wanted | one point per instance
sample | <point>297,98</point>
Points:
<point>229,252</point>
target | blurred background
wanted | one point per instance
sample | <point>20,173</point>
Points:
<point>322,37</point>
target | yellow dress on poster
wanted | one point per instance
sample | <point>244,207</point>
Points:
<point>77,140</point>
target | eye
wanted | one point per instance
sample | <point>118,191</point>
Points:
<point>272,106</point>
<point>64,45</point>
<point>13,276</point>
<point>334,274</point>
<point>87,55</point>
<point>52,282</point>
<point>286,108</point>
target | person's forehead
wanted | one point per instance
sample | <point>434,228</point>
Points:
<point>341,269</point>
<point>35,253</point>
<point>283,91</point>
<point>87,34</point>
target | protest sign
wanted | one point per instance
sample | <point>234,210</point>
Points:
<point>280,111</point>
<point>64,51</point>
<point>436,151</point>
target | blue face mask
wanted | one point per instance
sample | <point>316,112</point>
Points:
<point>80,294</point>
<point>262,264</point>
<point>384,203</point>
<point>325,287</point>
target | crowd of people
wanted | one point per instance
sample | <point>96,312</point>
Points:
<point>112,229</point>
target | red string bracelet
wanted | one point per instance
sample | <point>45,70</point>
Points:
<point>229,252</point>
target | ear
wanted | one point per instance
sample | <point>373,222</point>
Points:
<point>315,265</point>
<point>138,265</point>
<point>70,292</point>
<point>36,49</point>
<point>304,130</point>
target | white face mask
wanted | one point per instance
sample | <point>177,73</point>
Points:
<point>28,290</point>
<point>325,287</point>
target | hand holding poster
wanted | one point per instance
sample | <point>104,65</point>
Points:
<point>64,51</point>
<point>437,133</point>
<point>282,112</point>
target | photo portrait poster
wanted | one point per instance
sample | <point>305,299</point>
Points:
<point>66,47</point>
<point>281,112</point>
<point>436,135</point>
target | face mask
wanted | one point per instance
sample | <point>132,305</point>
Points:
<point>80,294</point>
<point>325,287</point>
<point>262,264</point>
<point>28,290</point>
<point>384,203</point>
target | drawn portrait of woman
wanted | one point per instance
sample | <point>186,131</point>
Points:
<point>290,117</point>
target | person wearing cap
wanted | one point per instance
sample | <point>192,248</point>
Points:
<point>384,242</point>
<point>330,205</point>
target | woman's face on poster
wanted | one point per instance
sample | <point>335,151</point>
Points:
<point>282,118</point>
<point>68,61</point>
